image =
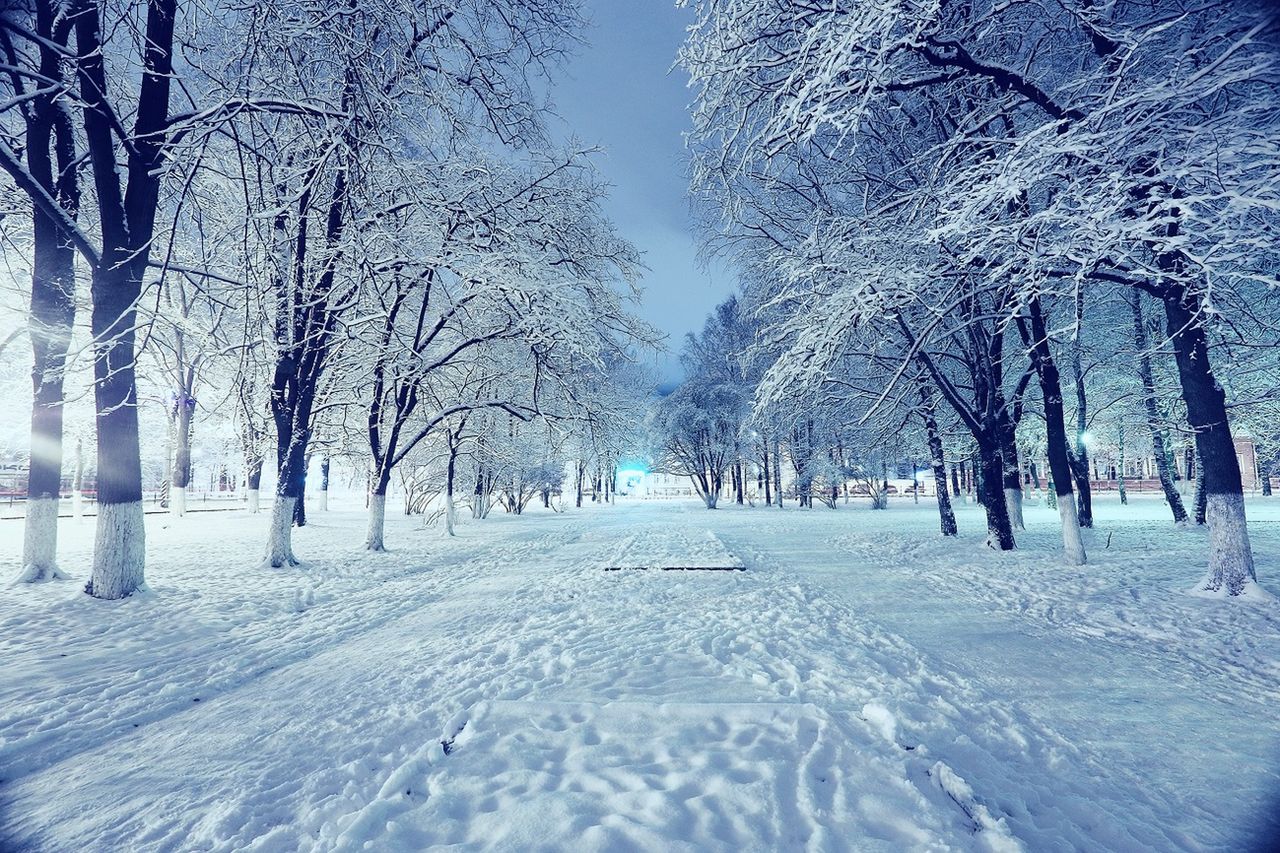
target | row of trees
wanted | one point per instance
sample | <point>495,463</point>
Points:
<point>966,211</point>
<point>332,219</point>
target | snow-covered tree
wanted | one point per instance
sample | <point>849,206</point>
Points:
<point>944,163</point>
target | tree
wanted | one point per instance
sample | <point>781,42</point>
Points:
<point>937,459</point>
<point>702,422</point>
<point>698,426</point>
<point>38,85</point>
<point>526,281</point>
<point>1035,335</point>
<point>1008,146</point>
<point>127,166</point>
<point>1163,457</point>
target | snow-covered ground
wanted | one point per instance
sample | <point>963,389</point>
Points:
<point>864,684</point>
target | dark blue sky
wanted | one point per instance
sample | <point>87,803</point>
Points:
<point>621,94</point>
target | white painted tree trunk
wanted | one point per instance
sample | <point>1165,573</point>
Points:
<point>450,515</point>
<point>1013,500</point>
<point>40,542</point>
<point>481,506</point>
<point>1072,543</point>
<point>77,505</point>
<point>1230,556</point>
<point>178,501</point>
<point>323,503</point>
<point>253,501</point>
<point>119,550</point>
<point>280,541</point>
<point>377,523</point>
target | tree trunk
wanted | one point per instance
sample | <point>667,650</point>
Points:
<point>777,473</point>
<point>990,486</point>
<point>280,541</point>
<point>1200,502</point>
<point>291,464</point>
<point>767,480</point>
<point>323,503</point>
<point>1012,477</point>
<point>253,481</point>
<point>480,504</point>
<point>975,478</point>
<point>1081,468</point>
<point>946,516</point>
<point>77,483</point>
<point>50,154</point>
<point>1230,555</point>
<point>120,541</point>
<point>1159,448</point>
<point>1056,433</point>
<point>180,476</point>
<point>1265,473</point>
<point>1124,497</point>
<point>450,511</point>
<point>1084,489</point>
<point>300,508</point>
<point>52,315</point>
<point>374,538</point>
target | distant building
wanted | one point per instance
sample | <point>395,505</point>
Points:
<point>1247,454</point>
<point>639,483</point>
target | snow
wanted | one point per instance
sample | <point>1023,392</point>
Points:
<point>663,546</point>
<point>864,684</point>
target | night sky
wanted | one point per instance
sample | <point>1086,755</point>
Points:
<point>621,93</point>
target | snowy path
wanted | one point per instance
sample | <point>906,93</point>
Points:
<point>503,691</point>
